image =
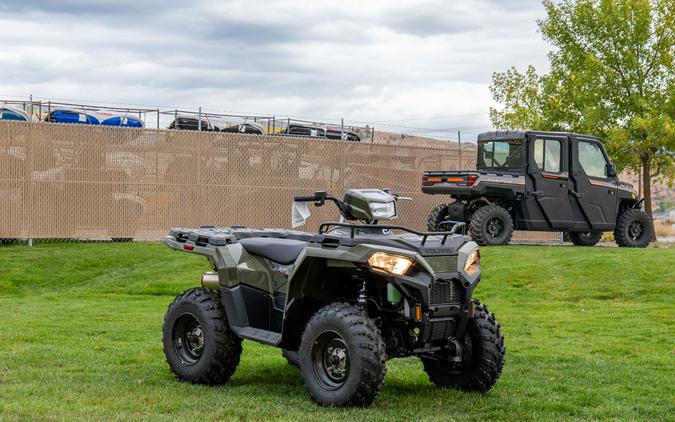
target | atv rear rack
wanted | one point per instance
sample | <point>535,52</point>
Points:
<point>323,229</point>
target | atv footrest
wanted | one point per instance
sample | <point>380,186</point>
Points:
<point>263,336</point>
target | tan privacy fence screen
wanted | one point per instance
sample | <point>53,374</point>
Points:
<point>89,182</point>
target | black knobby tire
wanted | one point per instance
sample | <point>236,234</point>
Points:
<point>491,225</point>
<point>437,216</point>
<point>193,314</point>
<point>482,358</point>
<point>584,238</point>
<point>293,358</point>
<point>122,239</point>
<point>633,229</point>
<point>342,357</point>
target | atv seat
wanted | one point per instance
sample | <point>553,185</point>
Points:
<point>283,251</point>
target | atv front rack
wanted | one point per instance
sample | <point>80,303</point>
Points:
<point>323,229</point>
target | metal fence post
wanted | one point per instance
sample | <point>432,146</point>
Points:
<point>459,139</point>
<point>199,122</point>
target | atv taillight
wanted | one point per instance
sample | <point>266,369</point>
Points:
<point>188,247</point>
<point>471,180</point>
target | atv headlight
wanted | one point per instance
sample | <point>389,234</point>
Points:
<point>472,262</point>
<point>390,263</point>
<point>383,209</point>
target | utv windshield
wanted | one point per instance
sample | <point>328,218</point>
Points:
<point>504,154</point>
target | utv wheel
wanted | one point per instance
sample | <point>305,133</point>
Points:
<point>482,356</point>
<point>293,358</point>
<point>342,357</point>
<point>491,225</point>
<point>437,216</point>
<point>584,238</point>
<point>122,239</point>
<point>633,229</point>
<point>198,343</point>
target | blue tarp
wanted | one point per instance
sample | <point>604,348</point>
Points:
<point>122,121</point>
<point>66,116</point>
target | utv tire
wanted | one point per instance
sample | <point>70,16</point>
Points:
<point>293,358</point>
<point>198,343</point>
<point>491,225</point>
<point>633,229</point>
<point>482,358</point>
<point>342,357</point>
<point>122,239</point>
<point>437,216</point>
<point>584,238</point>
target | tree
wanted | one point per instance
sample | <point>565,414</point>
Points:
<point>612,75</point>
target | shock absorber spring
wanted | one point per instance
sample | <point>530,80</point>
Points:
<point>362,298</point>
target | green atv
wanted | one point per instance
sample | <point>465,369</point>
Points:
<point>339,302</point>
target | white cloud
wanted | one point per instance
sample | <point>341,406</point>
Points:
<point>365,61</point>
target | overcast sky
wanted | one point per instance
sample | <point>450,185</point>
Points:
<point>409,65</point>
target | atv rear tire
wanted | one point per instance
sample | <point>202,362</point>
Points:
<point>437,216</point>
<point>482,356</point>
<point>491,225</point>
<point>633,229</point>
<point>584,238</point>
<point>342,357</point>
<point>293,358</point>
<point>198,343</point>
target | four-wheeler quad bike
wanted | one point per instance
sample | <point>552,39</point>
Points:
<point>543,181</point>
<point>344,299</point>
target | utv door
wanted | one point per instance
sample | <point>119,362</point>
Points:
<point>592,188</point>
<point>547,181</point>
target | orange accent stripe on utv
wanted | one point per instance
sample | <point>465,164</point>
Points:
<point>434,179</point>
<point>455,179</point>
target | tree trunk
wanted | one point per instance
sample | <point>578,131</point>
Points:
<point>647,188</point>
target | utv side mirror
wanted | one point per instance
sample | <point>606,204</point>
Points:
<point>611,170</point>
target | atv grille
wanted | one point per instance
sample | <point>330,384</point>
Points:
<point>445,292</point>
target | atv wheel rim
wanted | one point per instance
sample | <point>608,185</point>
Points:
<point>330,359</point>
<point>494,227</point>
<point>188,339</point>
<point>635,230</point>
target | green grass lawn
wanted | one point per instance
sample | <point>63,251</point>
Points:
<point>590,334</point>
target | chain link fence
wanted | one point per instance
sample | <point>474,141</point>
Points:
<point>101,183</point>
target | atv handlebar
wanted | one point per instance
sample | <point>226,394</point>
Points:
<point>304,198</point>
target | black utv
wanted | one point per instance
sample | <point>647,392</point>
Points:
<point>542,181</point>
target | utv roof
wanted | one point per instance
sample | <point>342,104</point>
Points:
<point>521,134</point>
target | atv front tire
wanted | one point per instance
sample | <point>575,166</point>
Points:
<point>584,238</point>
<point>198,343</point>
<point>633,229</point>
<point>491,225</point>
<point>482,356</point>
<point>342,357</point>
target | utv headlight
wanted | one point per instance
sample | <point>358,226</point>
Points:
<point>394,264</point>
<point>383,209</point>
<point>472,262</point>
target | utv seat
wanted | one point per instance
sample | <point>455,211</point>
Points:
<point>283,251</point>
